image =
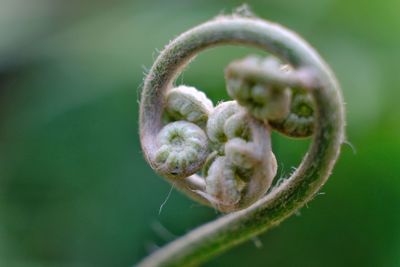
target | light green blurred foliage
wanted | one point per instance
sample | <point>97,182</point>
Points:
<point>74,188</point>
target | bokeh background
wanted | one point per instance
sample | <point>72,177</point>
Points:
<point>74,187</point>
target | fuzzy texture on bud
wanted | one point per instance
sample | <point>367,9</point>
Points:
<point>183,148</point>
<point>216,121</point>
<point>247,166</point>
<point>300,121</point>
<point>237,126</point>
<point>265,101</point>
<point>189,104</point>
<point>223,186</point>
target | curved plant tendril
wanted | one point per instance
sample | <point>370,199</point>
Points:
<point>230,144</point>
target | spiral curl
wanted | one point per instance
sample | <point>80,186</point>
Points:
<point>183,149</point>
<point>238,164</point>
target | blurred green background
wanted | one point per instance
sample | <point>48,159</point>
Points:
<point>74,187</point>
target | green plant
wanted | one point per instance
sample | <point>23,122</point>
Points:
<point>182,134</point>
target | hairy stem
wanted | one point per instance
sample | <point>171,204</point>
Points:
<point>232,229</point>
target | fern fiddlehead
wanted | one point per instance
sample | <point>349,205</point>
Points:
<point>231,143</point>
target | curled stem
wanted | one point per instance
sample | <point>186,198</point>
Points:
<point>234,228</point>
